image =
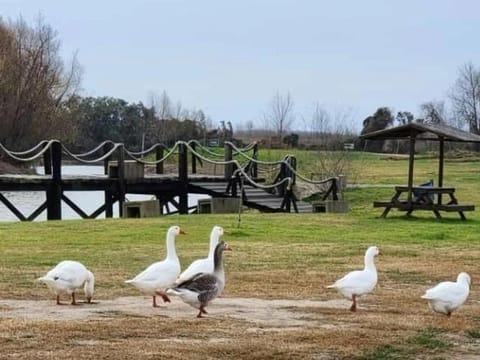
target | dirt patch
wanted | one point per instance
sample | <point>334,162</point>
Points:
<point>272,313</point>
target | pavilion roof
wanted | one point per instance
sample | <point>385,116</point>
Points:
<point>423,131</point>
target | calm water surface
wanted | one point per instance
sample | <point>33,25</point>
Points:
<point>88,201</point>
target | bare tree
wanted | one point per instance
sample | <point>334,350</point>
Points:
<point>465,96</point>
<point>320,121</point>
<point>433,112</point>
<point>279,117</point>
<point>34,83</point>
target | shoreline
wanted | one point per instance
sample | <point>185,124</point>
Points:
<point>7,168</point>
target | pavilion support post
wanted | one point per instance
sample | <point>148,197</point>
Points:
<point>54,191</point>
<point>183,178</point>
<point>411,160</point>
<point>440,167</point>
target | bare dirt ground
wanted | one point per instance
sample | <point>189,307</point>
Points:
<point>237,328</point>
<point>271,313</point>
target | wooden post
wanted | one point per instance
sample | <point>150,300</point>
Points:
<point>411,160</point>
<point>158,156</point>
<point>282,175</point>
<point>108,191</point>
<point>47,161</point>
<point>291,172</point>
<point>54,193</point>
<point>228,157</point>
<point>255,165</point>
<point>194,158</point>
<point>183,178</point>
<point>440,168</point>
<point>121,178</point>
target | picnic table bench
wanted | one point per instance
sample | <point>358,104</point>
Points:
<point>424,198</point>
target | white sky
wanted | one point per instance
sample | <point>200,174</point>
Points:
<point>229,58</point>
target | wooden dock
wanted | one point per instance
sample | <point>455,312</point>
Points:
<point>189,176</point>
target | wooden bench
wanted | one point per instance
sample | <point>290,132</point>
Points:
<point>424,200</point>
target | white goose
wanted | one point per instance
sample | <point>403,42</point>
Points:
<point>162,274</point>
<point>360,282</point>
<point>447,296</point>
<point>203,265</point>
<point>202,288</point>
<point>68,276</point>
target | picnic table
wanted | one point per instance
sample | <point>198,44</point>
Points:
<point>424,198</point>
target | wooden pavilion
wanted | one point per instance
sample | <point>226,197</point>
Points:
<point>431,132</point>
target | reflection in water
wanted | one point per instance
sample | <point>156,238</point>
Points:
<point>28,201</point>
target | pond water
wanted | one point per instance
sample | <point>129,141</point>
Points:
<point>88,201</point>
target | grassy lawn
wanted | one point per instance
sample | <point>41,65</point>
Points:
<point>276,256</point>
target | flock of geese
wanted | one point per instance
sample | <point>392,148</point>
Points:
<point>204,279</point>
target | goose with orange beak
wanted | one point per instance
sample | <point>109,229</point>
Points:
<point>203,288</point>
<point>156,278</point>
<point>361,282</point>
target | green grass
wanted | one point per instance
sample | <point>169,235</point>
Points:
<point>425,342</point>
<point>280,249</point>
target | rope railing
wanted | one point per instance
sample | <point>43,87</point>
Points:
<point>45,145</point>
<point>289,180</point>
<point>204,148</point>
<point>146,162</point>
<point>150,149</point>
<point>13,155</point>
<point>259,161</point>
<point>92,161</point>
<point>90,152</point>
<point>216,162</point>
<point>246,148</point>
<point>19,153</point>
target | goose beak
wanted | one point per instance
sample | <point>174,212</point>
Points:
<point>228,247</point>
<point>182,232</point>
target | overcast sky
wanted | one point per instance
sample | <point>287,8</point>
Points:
<point>229,58</point>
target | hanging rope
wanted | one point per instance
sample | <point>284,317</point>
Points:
<point>31,158</point>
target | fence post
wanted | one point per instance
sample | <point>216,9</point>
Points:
<point>194,158</point>
<point>54,192</point>
<point>255,165</point>
<point>47,161</point>
<point>293,169</point>
<point>228,157</point>
<point>158,156</point>
<point>108,191</point>
<point>121,178</point>
<point>183,178</point>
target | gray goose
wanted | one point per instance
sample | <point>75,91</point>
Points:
<point>202,288</point>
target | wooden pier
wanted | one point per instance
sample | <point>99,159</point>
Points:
<point>125,173</point>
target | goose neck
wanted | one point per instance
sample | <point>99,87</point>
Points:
<point>171,251</point>
<point>369,263</point>
<point>218,259</point>
<point>213,243</point>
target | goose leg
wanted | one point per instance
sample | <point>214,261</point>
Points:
<point>73,299</point>
<point>354,304</point>
<point>58,300</point>
<point>202,311</point>
<point>164,296</point>
<point>155,302</point>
